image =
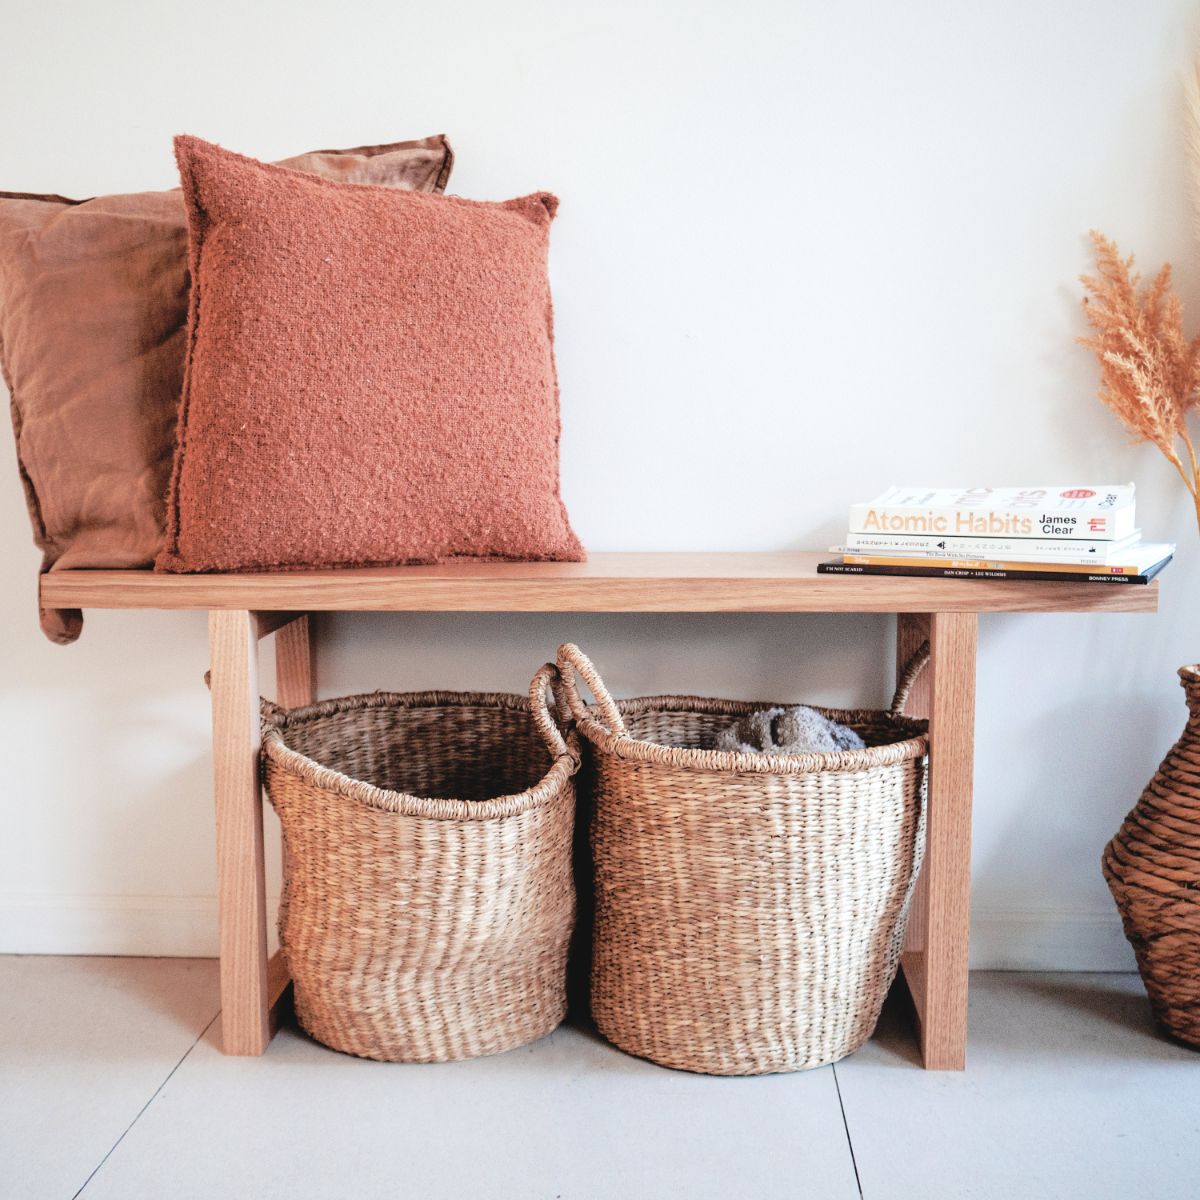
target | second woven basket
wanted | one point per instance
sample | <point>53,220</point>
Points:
<point>750,909</point>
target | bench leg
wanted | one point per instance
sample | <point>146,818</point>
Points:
<point>295,680</point>
<point>935,958</point>
<point>246,984</point>
<point>295,686</point>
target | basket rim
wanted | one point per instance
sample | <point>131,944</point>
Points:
<point>738,762</point>
<point>276,721</point>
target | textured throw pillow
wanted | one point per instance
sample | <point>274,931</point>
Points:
<point>93,310</point>
<point>370,376</point>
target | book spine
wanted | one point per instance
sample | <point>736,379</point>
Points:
<point>974,564</point>
<point>1068,524</point>
<point>965,547</point>
<point>836,568</point>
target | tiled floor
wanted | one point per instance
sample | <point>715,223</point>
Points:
<point>112,1087</point>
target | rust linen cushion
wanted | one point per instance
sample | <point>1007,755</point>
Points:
<point>93,314</point>
<point>370,376</point>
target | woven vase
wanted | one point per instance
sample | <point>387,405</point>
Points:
<point>1152,866</point>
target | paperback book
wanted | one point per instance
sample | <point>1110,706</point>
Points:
<point>912,545</point>
<point>1133,561</point>
<point>1026,571</point>
<point>1100,513</point>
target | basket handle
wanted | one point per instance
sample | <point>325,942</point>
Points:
<point>550,727</point>
<point>270,713</point>
<point>571,660</point>
<point>909,676</point>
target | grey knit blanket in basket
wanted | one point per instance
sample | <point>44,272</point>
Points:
<point>798,730</point>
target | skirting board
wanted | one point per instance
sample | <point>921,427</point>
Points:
<point>149,926</point>
<point>186,927</point>
<point>1029,939</point>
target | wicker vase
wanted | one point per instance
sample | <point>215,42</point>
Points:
<point>1153,870</point>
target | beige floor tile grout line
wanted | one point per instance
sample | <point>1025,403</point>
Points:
<point>846,1126</point>
<point>140,1111</point>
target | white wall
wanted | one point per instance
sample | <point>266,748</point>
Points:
<point>805,250</point>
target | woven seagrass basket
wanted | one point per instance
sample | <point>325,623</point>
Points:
<point>1152,867</point>
<point>428,897</point>
<point>750,909</point>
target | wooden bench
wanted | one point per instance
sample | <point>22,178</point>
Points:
<point>245,608</point>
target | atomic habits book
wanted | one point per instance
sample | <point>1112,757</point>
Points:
<point>1094,512</point>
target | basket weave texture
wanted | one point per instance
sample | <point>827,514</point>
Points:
<point>1152,866</point>
<point>750,909</point>
<point>428,896</point>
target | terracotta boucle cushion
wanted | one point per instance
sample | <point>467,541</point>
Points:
<point>370,376</point>
<point>93,311</point>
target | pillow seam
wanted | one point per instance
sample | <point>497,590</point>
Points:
<point>511,205</point>
<point>41,536</point>
<point>197,228</point>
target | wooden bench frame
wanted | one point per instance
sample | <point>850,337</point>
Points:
<point>246,608</point>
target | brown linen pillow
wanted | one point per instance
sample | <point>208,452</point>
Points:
<point>93,311</point>
<point>370,376</point>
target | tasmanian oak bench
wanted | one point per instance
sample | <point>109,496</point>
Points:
<point>247,607</point>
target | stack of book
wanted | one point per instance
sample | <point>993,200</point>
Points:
<point>1076,534</point>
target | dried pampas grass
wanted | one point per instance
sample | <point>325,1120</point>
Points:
<point>1149,371</point>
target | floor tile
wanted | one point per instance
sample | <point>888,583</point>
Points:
<point>84,1043</point>
<point>1069,1092</point>
<point>568,1117</point>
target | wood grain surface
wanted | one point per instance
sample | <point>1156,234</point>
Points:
<point>786,581</point>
